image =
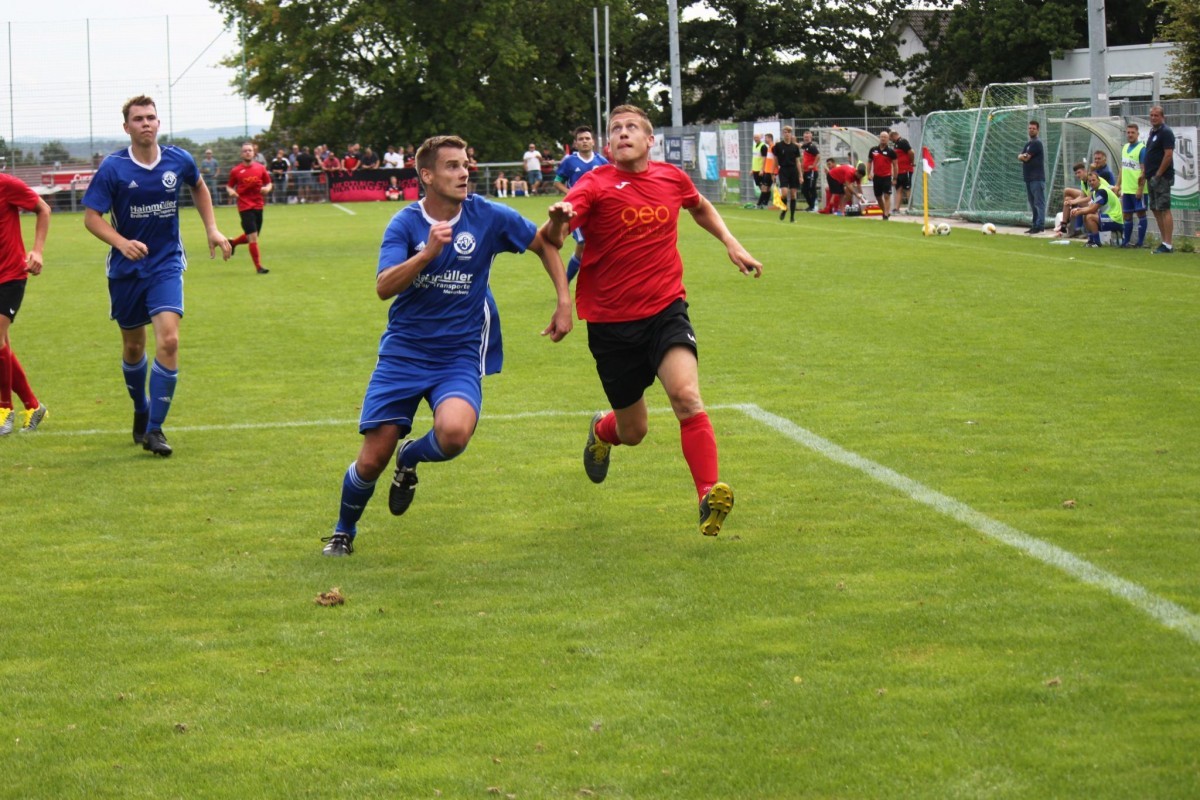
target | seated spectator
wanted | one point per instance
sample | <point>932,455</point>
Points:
<point>472,171</point>
<point>393,191</point>
<point>519,186</point>
<point>501,185</point>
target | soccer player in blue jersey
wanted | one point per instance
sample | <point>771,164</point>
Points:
<point>140,186</point>
<point>571,169</point>
<point>443,334</point>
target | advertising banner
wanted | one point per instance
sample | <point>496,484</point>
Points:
<point>1186,191</point>
<point>367,185</point>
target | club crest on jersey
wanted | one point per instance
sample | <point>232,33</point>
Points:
<point>464,244</point>
<point>170,179</point>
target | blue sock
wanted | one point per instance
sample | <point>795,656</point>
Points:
<point>135,382</point>
<point>162,390</point>
<point>1094,238</point>
<point>355,494</point>
<point>1128,231</point>
<point>1142,223</point>
<point>423,449</point>
<point>573,268</point>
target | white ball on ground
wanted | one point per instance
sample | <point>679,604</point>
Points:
<point>988,229</point>
<point>943,229</point>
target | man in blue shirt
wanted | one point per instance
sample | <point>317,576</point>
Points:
<point>141,186</point>
<point>571,169</point>
<point>1033,159</point>
<point>1159,167</point>
<point>443,334</point>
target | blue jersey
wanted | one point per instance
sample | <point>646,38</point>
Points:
<point>572,168</point>
<point>144,201</point>
<point>448,312</point>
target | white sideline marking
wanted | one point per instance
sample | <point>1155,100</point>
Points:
<point>341,207</point>
<point>1169,614</point>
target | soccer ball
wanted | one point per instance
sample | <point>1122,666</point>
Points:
<point>931,229</point>
<point>943,229</point>
<point>988,229</point>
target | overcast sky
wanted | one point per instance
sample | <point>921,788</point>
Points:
<point>168,49</point>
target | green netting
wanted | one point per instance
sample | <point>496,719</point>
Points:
<point>978,176</point>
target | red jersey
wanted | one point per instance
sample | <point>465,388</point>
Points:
<point>631,266</point>
<point>247,180</point>
<point>882,159</point>
<point>844,173</point>
<point>904,157</point>
<point>14,196</point>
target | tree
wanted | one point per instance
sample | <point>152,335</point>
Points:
<point>55,151</point>
<point>1184,30</point>
<point>500,73</point>
<point>747,59</point>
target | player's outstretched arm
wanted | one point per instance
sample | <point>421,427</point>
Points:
<point>216,239</point>
<point>554,230</point>
<point>707,217</point>
<point>562,321</point>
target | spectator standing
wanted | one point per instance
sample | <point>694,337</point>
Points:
<point>756,166</point>
<point>1159,169</point>
<point>472,171</point>
<point>209,169</point>
<point>533,167</point>
<point>392,159</point>
<point>370,159</point>
<point>279,173</point>
<point>1033,170</point>
<point>352,159</point>
<point>306,182</point>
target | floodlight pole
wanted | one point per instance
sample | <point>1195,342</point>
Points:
<point>91,134</point>
<point>170,105</point>
<point>676,82</point>
<point>1098,47</point>
<point>600,137</point>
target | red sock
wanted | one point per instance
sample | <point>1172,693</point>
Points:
<point>254,255</point>
<point>5,377</point>
<point>606,428</point>
<point>20,384</point>
<point>239,240</point>
<point>700,451</point>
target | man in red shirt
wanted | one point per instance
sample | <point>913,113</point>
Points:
<point>881,170</point>
<point>248,182</point>
<point>844,186</point>
<point>810,156</point>
<point>630,291</point>
<point>15,267</point>
<point>904,169</point>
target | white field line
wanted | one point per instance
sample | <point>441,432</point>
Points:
<point>342,208</point>
<point>1169,614</point>
<point>1164,611</point>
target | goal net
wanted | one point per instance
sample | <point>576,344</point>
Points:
<point>978,176</point>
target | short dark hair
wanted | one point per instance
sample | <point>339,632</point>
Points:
<point>140,100</point>
<point>427,152</point>
<point>1079,165</point>
<point>584,129</point>
<point>1035,124</point>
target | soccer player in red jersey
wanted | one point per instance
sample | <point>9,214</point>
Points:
<point>630,291</point>
<point>15,267</point>
<point>248,182</point>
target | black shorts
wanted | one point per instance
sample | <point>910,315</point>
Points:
<point>251,220</point>
<point>882,186</point>
<point>835,186</point>
<point>628,353</point>
<point>11,295</point>
<point>904,180</point>
<point>789,178</point>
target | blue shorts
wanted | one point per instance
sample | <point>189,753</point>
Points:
<point>577,235</point>
<point>398,386</point>
<point>1107,224</point>
<point>532,177</point>
<point>135,300</point>
<point>1130,204</point>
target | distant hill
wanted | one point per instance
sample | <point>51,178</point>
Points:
<point>77,146</point>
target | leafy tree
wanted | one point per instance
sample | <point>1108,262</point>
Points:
<point>53,151</point>
<point>1184,30</point>
<point>746,59</point>
<point>500,73</point>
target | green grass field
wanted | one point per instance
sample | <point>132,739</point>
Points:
<point>894,412</point>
